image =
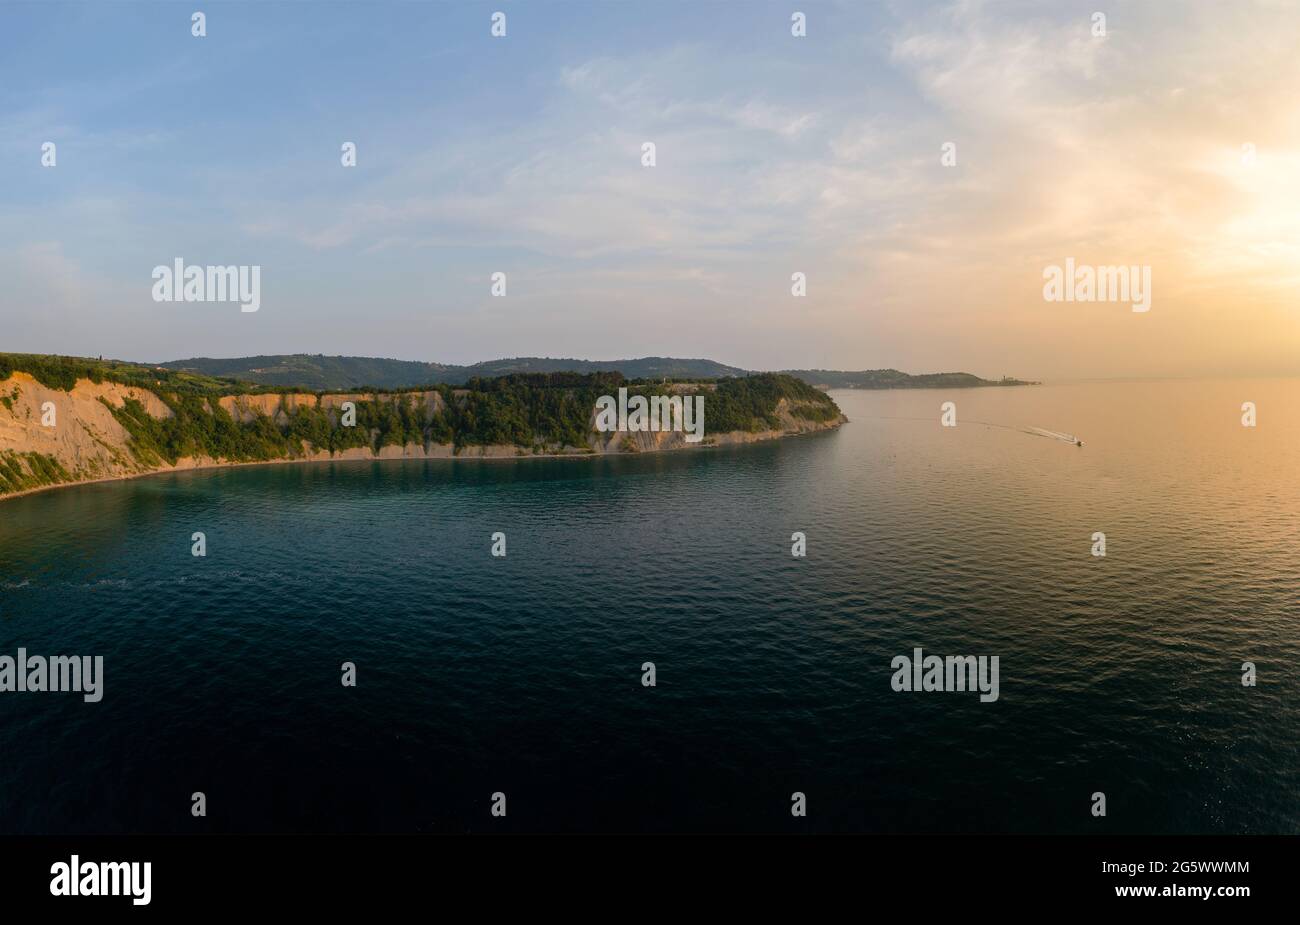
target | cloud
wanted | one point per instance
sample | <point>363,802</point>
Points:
<point>774,154</point>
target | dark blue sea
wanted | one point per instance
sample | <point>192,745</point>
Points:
<point>522,675</point>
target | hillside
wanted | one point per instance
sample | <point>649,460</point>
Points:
<point>309,371</point>
<point>67,419</point>
<point>315,371</point>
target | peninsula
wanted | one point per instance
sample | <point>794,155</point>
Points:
<point>65,420</point>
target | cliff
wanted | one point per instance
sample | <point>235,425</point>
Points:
<point>61,429</point>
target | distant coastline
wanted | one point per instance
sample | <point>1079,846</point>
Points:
<point>318,371</point>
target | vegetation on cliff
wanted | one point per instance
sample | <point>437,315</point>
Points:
<point>535,412</point>
<point>542,412</point>
<point>25,471</point>
<point>58,372</point>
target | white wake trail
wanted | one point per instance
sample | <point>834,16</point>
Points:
<point>1053,434</point>
<point>1020,429</point>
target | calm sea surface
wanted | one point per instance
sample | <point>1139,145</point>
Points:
<point>523,675</point>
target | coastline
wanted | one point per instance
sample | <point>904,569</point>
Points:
<point>468,457</point>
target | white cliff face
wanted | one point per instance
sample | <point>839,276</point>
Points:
<point>244,408</point>
<point>84,437</point>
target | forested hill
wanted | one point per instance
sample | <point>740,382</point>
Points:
<point>316,372</point>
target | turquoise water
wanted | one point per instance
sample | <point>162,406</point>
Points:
<point>522,674</point>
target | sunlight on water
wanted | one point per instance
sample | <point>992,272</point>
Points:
<point>1119,673</point>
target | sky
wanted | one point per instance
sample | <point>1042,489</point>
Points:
<point>1170,142</point>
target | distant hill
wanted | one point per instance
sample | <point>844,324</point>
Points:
<point>315,371</point>
<point>318,372</point>
<point>893,379</point>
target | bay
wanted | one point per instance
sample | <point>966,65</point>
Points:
<point>523,674</point>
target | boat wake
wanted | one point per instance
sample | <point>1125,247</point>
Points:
<point>1021,429</point>
<point>1054,435</point>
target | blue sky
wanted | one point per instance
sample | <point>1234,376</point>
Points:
<point>522,155</point>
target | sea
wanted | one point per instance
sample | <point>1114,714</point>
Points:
<point>513,692</point>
